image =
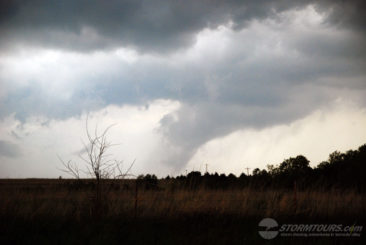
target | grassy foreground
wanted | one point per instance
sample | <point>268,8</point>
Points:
<point>63,212</point>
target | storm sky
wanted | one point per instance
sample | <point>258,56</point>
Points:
<point>231,84</point>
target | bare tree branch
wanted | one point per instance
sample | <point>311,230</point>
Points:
<point>70,168</point>
<point>98,162</point>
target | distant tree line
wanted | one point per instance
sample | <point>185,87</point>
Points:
<point>341,171</point>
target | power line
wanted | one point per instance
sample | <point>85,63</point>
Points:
<point>247,170</point>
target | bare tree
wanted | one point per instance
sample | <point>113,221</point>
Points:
<point>98,163</point>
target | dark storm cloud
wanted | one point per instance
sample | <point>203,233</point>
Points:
<point>198,123</point>
<point>90,25</point>
<point>155,26</point>
<point>264,91</point>
<point>347,14</point>
<point>8,149</point>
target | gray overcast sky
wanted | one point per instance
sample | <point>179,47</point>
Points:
<point>229,83</point>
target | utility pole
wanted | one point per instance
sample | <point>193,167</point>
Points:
<point>206,168</point>
<point>247,171</point>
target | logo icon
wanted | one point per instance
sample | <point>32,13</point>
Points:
<point>268,228</point>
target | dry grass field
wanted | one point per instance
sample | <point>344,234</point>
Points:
<point>53,199</point>
<point>58,206</point>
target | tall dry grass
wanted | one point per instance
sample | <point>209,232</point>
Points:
<point>51,201</point>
